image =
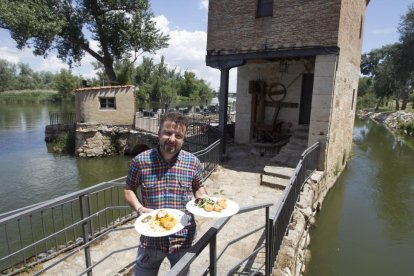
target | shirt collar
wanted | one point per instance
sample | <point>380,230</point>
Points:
<point>177,157</point>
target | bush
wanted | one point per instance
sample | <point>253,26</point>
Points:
<point>406,127</point>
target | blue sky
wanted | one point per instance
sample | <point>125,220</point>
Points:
<point>186,23</point>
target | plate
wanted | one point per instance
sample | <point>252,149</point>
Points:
<point>232,208</point>
<point>145,229</point>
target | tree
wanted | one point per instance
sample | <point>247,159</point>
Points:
<point>123,29</point>
<point>65,82</point>
<point>7,74</point>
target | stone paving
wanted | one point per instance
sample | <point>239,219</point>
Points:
<point>238,178</point>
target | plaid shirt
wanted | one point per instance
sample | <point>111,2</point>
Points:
<point>166,185</point>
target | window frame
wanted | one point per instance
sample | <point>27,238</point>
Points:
<point>264,8</point>
<point>107,103</point>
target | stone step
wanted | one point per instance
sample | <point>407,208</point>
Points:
<point>281,158</point>
<point>300,135</point>
<point>274,182</point>
<point>278,171</point>
<point>302,141</point>
<point>302,128</point>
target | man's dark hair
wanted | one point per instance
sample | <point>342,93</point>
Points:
<point>175,117</point>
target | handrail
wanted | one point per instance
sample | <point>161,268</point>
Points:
<point>209,238</point>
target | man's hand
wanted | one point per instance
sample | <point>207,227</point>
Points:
<point>142,210</point>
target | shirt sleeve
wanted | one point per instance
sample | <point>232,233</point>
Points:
<point>133,177</point>
<point>198,175</point>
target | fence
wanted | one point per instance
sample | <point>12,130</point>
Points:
<point>42,231</point>
<point>279,220</point>
<point>65,118</point>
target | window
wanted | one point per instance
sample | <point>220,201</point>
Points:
<point>107,103</point>
<point>360,27</point>
<point>353,99</point>
<point>264,8</point>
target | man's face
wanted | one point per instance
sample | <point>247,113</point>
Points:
<point>171,137</point>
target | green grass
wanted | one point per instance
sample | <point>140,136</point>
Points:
<point>33,96</point>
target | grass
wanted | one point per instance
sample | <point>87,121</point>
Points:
<point>33,96</point>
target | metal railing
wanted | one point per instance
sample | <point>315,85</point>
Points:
<point>40,232</point>
<point>280,219</point>
<point>210,239</point>
<point>275,228</point>
<point>62,118</point>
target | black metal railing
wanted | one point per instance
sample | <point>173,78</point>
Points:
<point>62,118</point>
<point>275,228</point>
<point>40,232</point>
<point>280,219</point>
<point>210,239</point>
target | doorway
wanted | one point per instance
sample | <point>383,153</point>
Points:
<point>306,99</point>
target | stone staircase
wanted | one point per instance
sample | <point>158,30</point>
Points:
<point>289,155</point>
<point>276,176</point>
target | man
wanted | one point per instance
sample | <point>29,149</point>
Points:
<point>166,177</point>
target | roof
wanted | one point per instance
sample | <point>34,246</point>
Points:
<point>94,88</point>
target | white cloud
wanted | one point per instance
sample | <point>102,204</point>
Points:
<point>7,54</point>
<point>204,4</point>
<point>187,51</point>
<point>52,64</point>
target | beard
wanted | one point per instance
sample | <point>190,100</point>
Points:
<point>171,149</point>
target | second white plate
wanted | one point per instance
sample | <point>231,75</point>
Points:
<point>232,208</point>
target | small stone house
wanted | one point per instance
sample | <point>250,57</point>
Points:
<point>111,105</point>
<point>297,69</point>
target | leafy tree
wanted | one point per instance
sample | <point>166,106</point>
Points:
<point>7,74</point>
<point>123,29</point>
<point>406,30</point>
<point>65,82</point>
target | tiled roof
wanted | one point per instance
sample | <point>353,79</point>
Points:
<point>94,88</point>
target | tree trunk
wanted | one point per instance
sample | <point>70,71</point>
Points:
<point>397,104</point>
<point>379,103</point>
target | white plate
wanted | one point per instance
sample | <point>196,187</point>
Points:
<point>144,227</point>
<point>232,208</point>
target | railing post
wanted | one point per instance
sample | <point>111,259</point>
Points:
<point>213,256</point>
<point>85,234</point>
<point>267,244</point>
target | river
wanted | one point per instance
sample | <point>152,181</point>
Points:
<point>30,173</point>
<point>366,225</point>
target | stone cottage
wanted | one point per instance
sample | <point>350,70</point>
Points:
<point>114,105</point>
<point>297,70</point>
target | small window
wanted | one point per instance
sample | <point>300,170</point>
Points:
<point>264,8</point>
<point>107,103</point>
<point>360,27</point>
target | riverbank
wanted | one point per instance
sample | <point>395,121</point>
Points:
<point>401,121</point>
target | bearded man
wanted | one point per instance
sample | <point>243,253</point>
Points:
<point>167,177</point>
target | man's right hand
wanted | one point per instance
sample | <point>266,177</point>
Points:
<point>142,210</point>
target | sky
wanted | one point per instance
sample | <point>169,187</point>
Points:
<point>186,23</point>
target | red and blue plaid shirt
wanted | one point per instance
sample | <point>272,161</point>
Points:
<point>166,185</point>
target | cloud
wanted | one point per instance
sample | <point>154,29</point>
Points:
<point>187,51</point>
<point>204,4</point>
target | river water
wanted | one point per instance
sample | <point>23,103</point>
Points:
<point>366,225</point>
<point>30,172</point>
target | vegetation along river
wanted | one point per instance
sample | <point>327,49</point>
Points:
<point>366,225</point>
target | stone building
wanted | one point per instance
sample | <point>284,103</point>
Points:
<point>113,105</point>
<point>297,69</point>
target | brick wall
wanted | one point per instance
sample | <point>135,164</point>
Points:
<point>233,26</point>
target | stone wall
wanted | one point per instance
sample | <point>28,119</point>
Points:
<point>96,140</point>
<point>234,28</point>
<point>294,254</point>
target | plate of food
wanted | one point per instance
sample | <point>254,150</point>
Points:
<point>161,222</point>
<point>213,207</point>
